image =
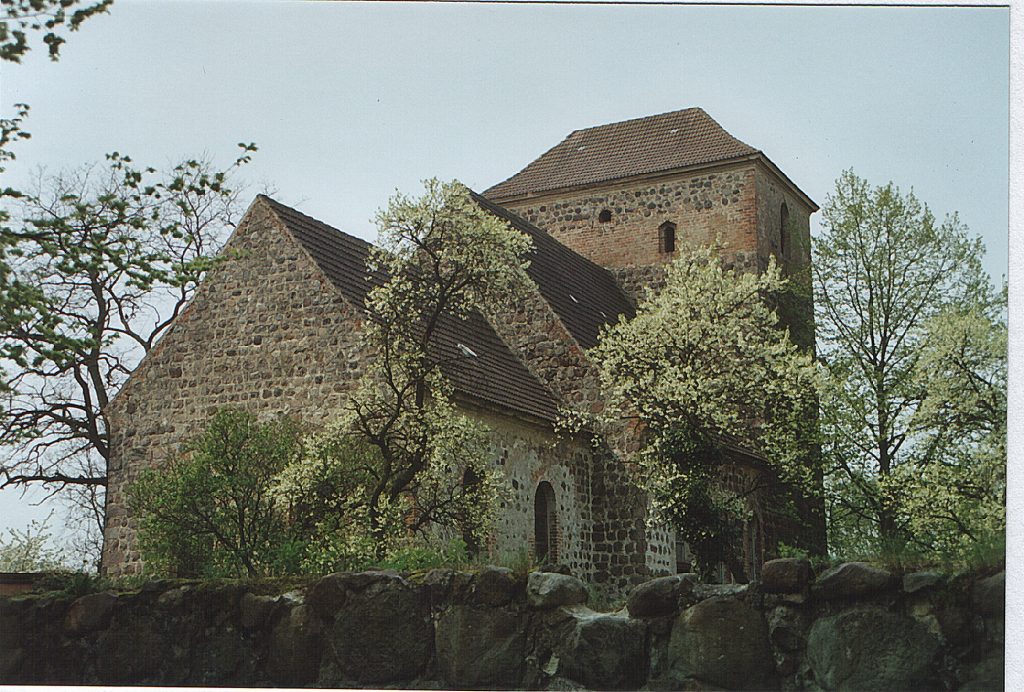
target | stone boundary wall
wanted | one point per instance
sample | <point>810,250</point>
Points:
<point>853,627</point>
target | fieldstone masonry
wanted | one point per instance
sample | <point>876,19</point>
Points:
<point>495,629</point>
<point>705,206</point>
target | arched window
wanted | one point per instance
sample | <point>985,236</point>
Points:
<point>605,216</point>
<point>470,486</point>
<point>783,231</point>
<point>545,524</point>
<point>667,237</point>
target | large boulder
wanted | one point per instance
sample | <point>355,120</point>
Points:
<point>787,629</point>
<point>90,613</point>
<point>921,581</point>
<point>851,579</point>
<point>493,586</point>
<point>383,635</point>
<point>785,575</point>
<point>723,642</point>
<point>989,595</point>
<point>293,658</point>
<point>870,648</point>
<point>705,591</point>
<point>607,652</point>
<point>254,610</point>
<point>480,648</point>
<point>659,596</point>
<point>331,592</point>
<point>130,653</point>
<point>550,590</point>
<point>222,657</point>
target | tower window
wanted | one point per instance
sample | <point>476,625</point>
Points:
<point>545,524</point>
<point>667,237</point>
<point>605,216</point>
<point>783,231</point>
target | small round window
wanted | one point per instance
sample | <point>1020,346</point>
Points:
<point>605,216</point>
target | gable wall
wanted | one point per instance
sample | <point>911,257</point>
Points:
<point>265,332</point>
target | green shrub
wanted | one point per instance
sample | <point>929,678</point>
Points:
<point>210,511</point>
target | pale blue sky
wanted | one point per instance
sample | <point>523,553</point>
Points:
<point>349,101</point>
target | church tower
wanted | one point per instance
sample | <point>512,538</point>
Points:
<point>630,195</point>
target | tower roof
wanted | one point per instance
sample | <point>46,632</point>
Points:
<point>652,144</point>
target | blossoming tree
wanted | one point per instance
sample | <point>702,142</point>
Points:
<point>702,366</point>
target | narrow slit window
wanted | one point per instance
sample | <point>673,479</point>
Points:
<point>783,231</point>
<point>545,524</point>
<point>667,237</point>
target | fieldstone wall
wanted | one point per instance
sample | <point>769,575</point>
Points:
<point>529,456</point>
<point>706,205</point>
<point>853,627</point>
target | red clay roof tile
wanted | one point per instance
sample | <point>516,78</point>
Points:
<point>652,144</point>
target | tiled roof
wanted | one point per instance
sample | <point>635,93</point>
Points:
<point>584,295</point>
<point>633,147</point>
<point>494,376</point>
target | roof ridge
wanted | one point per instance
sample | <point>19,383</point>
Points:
<point>335,229</point>
<point>670,141</point>
<point>642,117</point>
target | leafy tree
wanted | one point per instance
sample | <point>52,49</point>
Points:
<point>96,264</point>
<point>701,365</point>
<point>441,257</point>
<point>955,486</point>
<point>211,510</point>
<point>896,291</point>
<point>18,17</point>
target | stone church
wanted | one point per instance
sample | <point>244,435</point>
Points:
<point>274,329</point>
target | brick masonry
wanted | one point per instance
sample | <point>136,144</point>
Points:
<point>707,206</point>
